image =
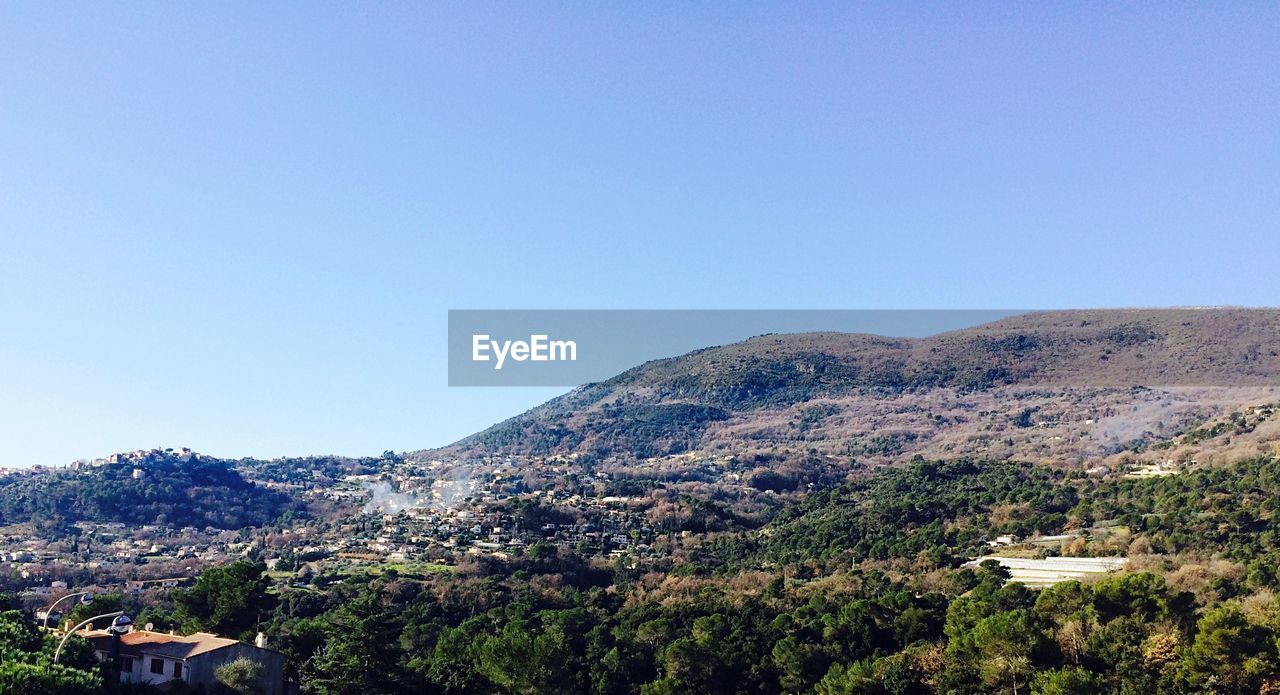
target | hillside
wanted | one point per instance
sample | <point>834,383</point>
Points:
<point>147,488</point>
<point>1105,380</point>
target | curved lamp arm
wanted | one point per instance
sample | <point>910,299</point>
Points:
<point>49,610</point>
<point>72,631</point>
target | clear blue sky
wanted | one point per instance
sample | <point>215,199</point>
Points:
<point>238,228</point>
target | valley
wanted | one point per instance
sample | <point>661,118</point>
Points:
<point>811,513</point>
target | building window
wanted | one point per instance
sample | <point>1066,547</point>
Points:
<point>157,666</point>
<point>177,669</point>
<point>126,664</point>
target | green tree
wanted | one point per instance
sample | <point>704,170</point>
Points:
<point>228,600</point>
<point>361,653</point>
<point>26,656</point>
<point>1068,608</point>
<point>1004,644</point>
<point>1072,680</point>
<point>451,665</point>
<point>19,678</point>
<point>1140,594</point>
<point>240,676</point>
<point>1230,654</point>
<point>799,663</point>
<point>526,660</point>
<point>106,603</point>
<point>854,679</point>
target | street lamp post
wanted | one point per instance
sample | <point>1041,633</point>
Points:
<point>86,597</point>
<point>117,628</point>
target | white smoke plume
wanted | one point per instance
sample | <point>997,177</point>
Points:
<point>387,500</point>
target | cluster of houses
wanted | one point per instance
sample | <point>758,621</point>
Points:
<point>111,549</point>
<point>595,527</point>
<point>432,509</point>
<point>43,594</point>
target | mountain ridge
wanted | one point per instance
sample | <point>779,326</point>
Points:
<point>668,405</point>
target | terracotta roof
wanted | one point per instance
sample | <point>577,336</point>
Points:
<point>162,644</point>
<point>143,637</point>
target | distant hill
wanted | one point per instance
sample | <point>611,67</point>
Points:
<point>159,487</point>
<point>831,389</point>
<point>1101,348</point>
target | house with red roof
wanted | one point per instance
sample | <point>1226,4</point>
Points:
<point>159,658</point>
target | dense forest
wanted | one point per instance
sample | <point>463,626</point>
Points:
<point>930,515</point>
<point>860,632</point>
<point>943,511</point>
<point>550,624</point>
